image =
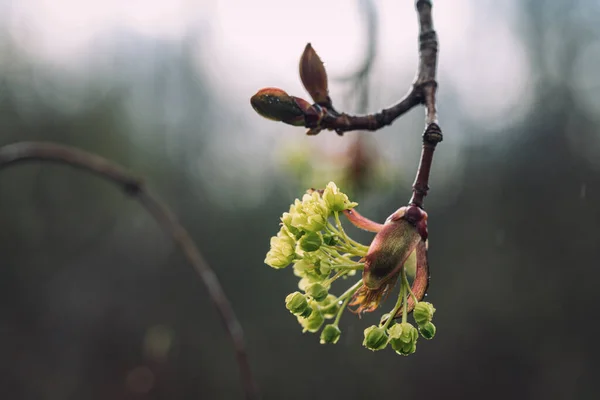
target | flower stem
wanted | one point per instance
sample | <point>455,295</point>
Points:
<point>347,238</point>
<point>335,256</point>
<point>338,274</point>
<point>401,299</point>
<point>348,295</point>
<point>350,290</point>
<point>350,267</point>
<point>405,279</point>
<point>405,289</point>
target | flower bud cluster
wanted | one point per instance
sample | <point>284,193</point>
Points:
<point>303,227</point>
<point>321,252</point>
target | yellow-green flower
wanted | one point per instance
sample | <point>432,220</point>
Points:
<point>282,250</point>
<point>336,200</point>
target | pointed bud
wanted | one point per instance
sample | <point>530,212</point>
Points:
<point>331,334</point>
<point>314,76</point>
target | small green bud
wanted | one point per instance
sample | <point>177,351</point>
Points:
<point>336,200</point>
<point>297,304</point>
<point>311,241</point>
<point>317,291</point>
<point>331,334</point>
<point>403,338</point>
<point>330,239</point>
<point>376,338</point>
<point>427,330</point>
<point>313,322</point>
<point>423,312</point>
<point>330,306</point>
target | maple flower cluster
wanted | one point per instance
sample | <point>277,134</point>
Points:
<point>312,239</point>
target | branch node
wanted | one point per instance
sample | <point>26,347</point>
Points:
<point>433,134</point>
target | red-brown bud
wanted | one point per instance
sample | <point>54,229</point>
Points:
<point>277,105</point>
<point>397,239</point>
<point>314,76</point>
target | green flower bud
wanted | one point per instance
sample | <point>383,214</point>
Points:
<point>376,338</point>
<point>403,338</point>
<point>330,239</point>
<point>311,241</point>
<point>331,334</point>
<point>336,200</point>
<point>330,306</point>
<point>427,330</point>
<point>313,322</point>
<point>317,292</point>
<point>423,312</point>
<point>297,304</point>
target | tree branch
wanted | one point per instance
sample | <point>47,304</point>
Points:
<point>426,81</point>
<point>41,151</point>
<point>422,90</point>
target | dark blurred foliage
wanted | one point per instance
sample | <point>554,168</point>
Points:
<point>96,303</point>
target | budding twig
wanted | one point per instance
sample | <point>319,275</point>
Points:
<point>422,90</point>
<point>426,80</point>
<point>50,152</point>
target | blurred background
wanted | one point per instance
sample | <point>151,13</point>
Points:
<point>97,303</point>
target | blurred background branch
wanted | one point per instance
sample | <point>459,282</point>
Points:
<point>39,151</point>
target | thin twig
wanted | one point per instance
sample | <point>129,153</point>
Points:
<point>42,151</point>
<point>426,80</point>
<point>422,90</point>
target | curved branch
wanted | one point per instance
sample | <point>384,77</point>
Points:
<point>42,151</point>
